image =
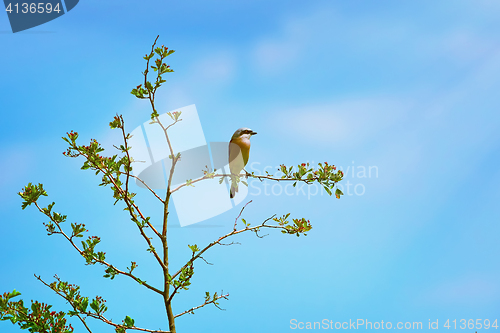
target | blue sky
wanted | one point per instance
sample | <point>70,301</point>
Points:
<point>408,88</point>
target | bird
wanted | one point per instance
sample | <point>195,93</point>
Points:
<point>239,152</point>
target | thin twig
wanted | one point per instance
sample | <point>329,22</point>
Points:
<point>72,305</point>
<point>241,211</point>
<point>176,288</point>
<point>128,175</point>
<point>97,260</point>
<point>149,188</point>
<point>98,316</point>
<point>204,304</point>
<point>151,95</point>
<point>208,263</point>
<point>130,210</point>
<point>259,177</point>
<point>233,232</point>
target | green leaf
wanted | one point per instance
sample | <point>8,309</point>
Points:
<point>338,193</point>
<point>327,190</point>
<point>129,321</point>
<point>194,248</point>
<point>31,193</point>
<point>94,306</point>
<point>84,304</point>
<point>14,293</point>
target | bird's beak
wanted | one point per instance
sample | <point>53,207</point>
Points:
<point>253,133</point>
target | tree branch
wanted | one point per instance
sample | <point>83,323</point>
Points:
<point>232,233</point>
<point>128,175</point>
<point>96,315</point>
<point>149,188</point>
<point>204,304</point>
<point>239,215</point>
<point>151,95</point>
<point>129,204</point>
<point>72,305</point>
<point>155,117</point>
<point>260,177</point>
<point>96,260</point>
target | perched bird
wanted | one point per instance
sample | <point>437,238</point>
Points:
<point>239,151</point>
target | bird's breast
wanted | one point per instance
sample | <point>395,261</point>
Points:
<point>243,143</point>
<point>238,155</point>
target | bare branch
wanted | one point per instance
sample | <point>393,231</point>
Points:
<point>172,168</point>
<point>208,263</point>
<point>149,188</point>
<point>241,211</point>
<point>232,243</point>
<point>232,233</point>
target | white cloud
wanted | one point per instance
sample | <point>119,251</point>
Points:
<point>483,76</point>
<point>464,45</point>
<point>347,122</point>
<point>272,54</point>
<point>467,290</point>
<point>15,163</point>
<point>327,30</point>
<point>214,67</point>
<point>206,74</point>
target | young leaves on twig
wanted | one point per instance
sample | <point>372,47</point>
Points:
<point>37,318</point>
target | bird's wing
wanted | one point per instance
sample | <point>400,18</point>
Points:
<point>236,163</point>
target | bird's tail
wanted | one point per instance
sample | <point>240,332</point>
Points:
<point>233,190</point>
